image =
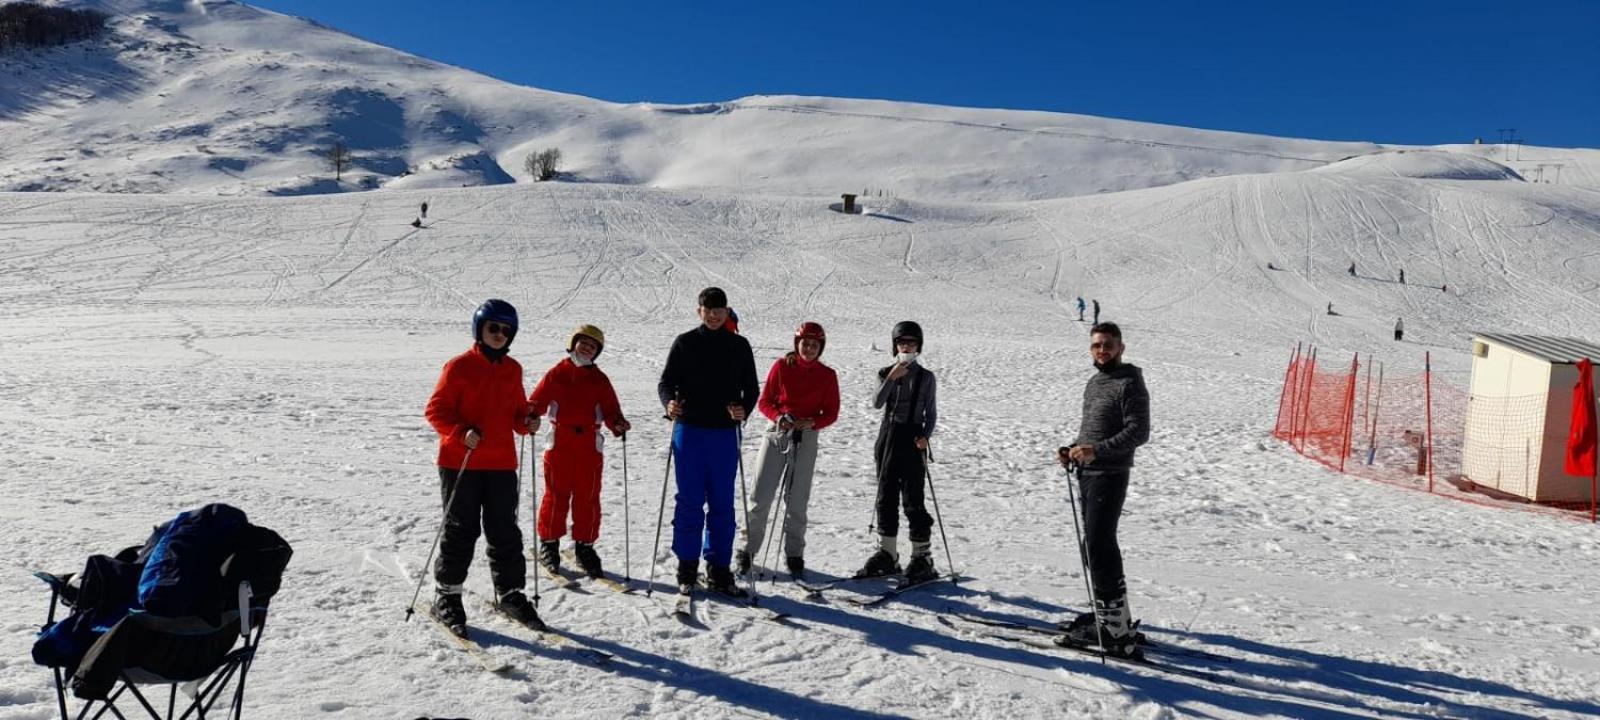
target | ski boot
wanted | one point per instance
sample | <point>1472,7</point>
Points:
<point>688,573</point>
<point>720,579</point>
<point>741,563</point>
<point>550,556</point>
<point>797,568</point>
<point>881,564</point>
<point>1082,618</point>
<point>447,609</point>
<point>1113,632</point>
<point>513,604</point>
<point>921,569</point>
<point>588,560</point>
<point>1112,641</point>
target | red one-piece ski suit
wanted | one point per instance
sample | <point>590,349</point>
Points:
<point>577,400</point>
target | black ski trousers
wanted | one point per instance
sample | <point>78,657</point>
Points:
<point>901,479</point>
<point>492,496</point>
<point>1100,497</point>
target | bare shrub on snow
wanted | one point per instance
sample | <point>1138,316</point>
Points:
<point>543,165</point>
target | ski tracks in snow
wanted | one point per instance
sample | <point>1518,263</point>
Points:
<point>308,416</point>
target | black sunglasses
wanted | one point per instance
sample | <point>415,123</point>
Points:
<point>500,329</point>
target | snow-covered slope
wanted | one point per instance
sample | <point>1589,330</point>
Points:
<point>1423,164</point>
<point>165,351</point>
<point>216,97</point>
<point>174,348</point>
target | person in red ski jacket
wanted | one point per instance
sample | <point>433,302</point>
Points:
<point>579,398</point>
<point>477,407</point>
<point>800,399</point>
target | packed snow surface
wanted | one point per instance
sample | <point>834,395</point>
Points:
<point>164,350</point>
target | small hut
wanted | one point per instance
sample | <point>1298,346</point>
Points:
<point>1519,414</point>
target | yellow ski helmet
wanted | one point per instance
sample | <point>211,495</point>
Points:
<point>591,332</point>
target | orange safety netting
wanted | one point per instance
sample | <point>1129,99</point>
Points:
<point>1407,429</point>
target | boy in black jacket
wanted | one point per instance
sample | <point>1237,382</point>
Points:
<point>708,388</point>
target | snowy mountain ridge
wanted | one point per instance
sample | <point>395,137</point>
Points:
<point>218,97</point>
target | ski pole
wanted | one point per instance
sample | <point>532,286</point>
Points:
<point>778,503</point>
<point>928,474</point>
<point>744,497</point>
<point>784,482</point>
<point>448,504</point>
<point>627,528</point>
<point>533,487</point>
<point>661,512</point>
<point>1083,556</point>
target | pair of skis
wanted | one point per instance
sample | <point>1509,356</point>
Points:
<point>567,582</point>
<point>471,647</point>
<point>815,590</point>
<point>462,638</point>
<point>683,605</point>
<point>1046,638</point>
<point>1144,642</point>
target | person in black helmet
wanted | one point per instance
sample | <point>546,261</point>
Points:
<point>478,408</point>
<point>908,396</point>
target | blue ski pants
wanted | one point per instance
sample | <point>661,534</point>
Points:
<point>703,523</point>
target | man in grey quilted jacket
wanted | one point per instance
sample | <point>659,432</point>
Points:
<point>1116,421</point>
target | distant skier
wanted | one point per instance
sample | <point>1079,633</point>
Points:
<point>478,407</point>
<point>801,398</point>
<point>1097,312</point>
<point>1271,266</point>
<point>732,324</point>
<point>1402,276</point>
<point>1330,308</point>
<point>579,398</point>
<point>1116,421</point>
<point>1080,308</point>
<point>1352,269</point>
<point>1399,329</point>
<point>424,209</point>
<point>909,398</point>
<point>708,388</point>
<point>416,223</point>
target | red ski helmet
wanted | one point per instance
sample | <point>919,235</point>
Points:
<point>813,331</point>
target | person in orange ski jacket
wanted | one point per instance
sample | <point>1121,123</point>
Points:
<point>477,407</point>
<point>578,398</point>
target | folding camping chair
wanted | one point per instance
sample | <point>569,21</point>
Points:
<point>176,608</point>
<point>191,653</point>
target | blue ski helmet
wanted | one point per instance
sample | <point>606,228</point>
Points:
<point>498,311</point>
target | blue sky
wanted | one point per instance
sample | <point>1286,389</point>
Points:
<point>1401,71</point>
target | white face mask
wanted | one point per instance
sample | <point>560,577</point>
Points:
<point>580,360</point>
<point>906,358</point>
